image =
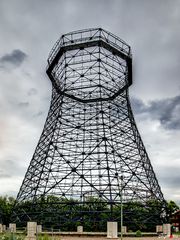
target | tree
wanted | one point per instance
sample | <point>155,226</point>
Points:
<point>6,205</point>
<point>172,207</point>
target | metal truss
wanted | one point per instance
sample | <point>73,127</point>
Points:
<point>90,151</point>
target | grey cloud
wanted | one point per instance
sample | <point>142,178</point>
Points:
<point>150,27</point>
<point>10,168</point>
<point>40,113</point>
<point>15,59</point>
<point>170,176</point>
<point>138,105</point>
<point>23,104</point>
<point>167,111</point>
<point>4,175</point>
<point>32,92</point>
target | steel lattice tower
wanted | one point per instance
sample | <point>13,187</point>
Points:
<point>90,151</point>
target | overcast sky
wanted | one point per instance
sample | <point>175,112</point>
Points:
<point>28,30</point>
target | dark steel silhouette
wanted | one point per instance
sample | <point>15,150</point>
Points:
<point>90,141</point>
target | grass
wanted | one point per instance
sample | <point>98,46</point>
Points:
<point>14,236</point>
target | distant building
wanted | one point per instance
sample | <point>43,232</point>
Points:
<point>176,220</point>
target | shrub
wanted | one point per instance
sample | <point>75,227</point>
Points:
<point>138,233</point>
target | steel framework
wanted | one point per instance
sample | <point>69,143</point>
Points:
<point>90,141</point>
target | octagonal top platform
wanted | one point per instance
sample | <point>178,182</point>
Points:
<point>89,35</point>
<point>90,65</point>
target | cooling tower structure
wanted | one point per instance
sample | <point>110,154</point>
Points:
<point>90,157</point>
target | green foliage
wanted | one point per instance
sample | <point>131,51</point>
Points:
<point>12,236</point>
<point>8,236</point>
<point>176,233</point>
<point>172,207</point>
<point>138,233</point>
<point>4,237</point>
<point>20,237</point>
<point>66,214</point>
<point>43,237</point>
<point>6,204</point>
